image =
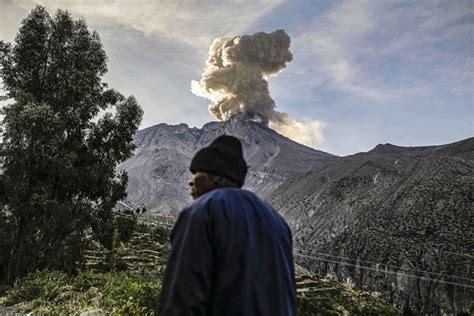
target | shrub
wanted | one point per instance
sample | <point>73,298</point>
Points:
<point>53,292</point>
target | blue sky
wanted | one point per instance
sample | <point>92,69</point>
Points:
<point>399,72</point>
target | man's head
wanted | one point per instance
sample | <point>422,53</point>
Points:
<point>221,164</point>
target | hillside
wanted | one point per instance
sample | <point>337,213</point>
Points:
<point>159,170</point>
<point>135,290</point>
<point>394,220</point>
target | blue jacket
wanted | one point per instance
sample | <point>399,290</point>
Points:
<point>231,255</point>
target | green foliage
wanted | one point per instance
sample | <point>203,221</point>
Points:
<point>53,292</point>
<point>59,176</point>
<point>88,279</point>
<point>162,233</point>
<point>125,226</point>
<point>7,229</point>
<point>136,293</point>
<point>43,285</point>
<point>132,293</point>
<point>122,230</point>
<point>139,248</point>
<point>319,296</point>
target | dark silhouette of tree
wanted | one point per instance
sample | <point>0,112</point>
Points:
<point>58,160</point>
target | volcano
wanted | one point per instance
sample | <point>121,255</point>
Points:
<point>159,175</point>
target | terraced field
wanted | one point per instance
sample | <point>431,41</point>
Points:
<point>322,296</point>
<point>148,249</point>
<point>140,263</point>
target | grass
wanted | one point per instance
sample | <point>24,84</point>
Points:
<point>53,292</point>
<point>134,288</point>
<point>134,293</point>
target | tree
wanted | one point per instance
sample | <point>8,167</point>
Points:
<point>58,160</point>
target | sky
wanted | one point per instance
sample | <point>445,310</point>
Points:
<point>373,72</point>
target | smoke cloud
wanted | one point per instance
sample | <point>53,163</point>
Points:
<point>235,80</point>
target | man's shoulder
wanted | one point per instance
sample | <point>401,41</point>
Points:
<point>223,192</point>
<point>224,198</point>
<point>206,200</point>
<point>239,201</point>
<point>233,202</point>
<point>236,191</point>
<point>226,194</point>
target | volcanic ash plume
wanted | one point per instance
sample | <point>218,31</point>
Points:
<point>235,80</point>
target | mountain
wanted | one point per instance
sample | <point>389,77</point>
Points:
<point>159,175</point>
<point>394,220</point>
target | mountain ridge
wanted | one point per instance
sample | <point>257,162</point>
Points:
<point>367,214</point>
<point>159,175</point>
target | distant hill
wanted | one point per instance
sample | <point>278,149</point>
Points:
<point>159,170</point>
<point>394,220</point>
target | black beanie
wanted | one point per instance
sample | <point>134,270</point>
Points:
<point>222,157</point>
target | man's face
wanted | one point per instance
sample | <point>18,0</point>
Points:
<point>201,183</point>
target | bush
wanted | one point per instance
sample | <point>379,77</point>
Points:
<point>162,234</point>
<point>53,292</point>
<point>85,280</point>
<point>43,285</point>
<point>132,293</point>
<point>125,226</point>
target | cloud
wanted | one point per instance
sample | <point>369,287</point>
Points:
<point>154,47</point>
<point>9,22</point>
<point>194,23</point>
<point>327,41</point>
<point>386,51</point>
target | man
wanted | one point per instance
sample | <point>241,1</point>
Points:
<point>231,251</point>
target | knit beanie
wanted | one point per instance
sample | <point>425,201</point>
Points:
<point>222,157</point>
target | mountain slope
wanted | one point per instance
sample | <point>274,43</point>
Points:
<point>395,220</point>
<point>135,291</point>
<point>159,174</point>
